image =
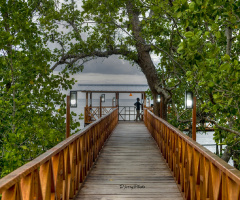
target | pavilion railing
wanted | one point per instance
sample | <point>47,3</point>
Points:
<point>199,173</point>
<point>59,172</point>
<point>93,113</point>
<point>127,113</point>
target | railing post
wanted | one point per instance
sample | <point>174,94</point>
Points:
<point>220,142</point>
<point>85,116</point>
<point>68,117</point>
<point>194,120</point>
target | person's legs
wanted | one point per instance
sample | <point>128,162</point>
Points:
<point>138,115</point>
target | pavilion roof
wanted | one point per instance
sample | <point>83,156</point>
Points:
<point>113,88</point>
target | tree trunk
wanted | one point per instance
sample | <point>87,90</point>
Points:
<point>227,154</point>
<point>235,163</point>
<point>190,131</point>
<point>156,105</point>
<point>145,61</point>
<point>164,110</point>
<point>229,40</point>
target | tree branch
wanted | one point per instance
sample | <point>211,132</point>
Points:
<point>222,127</point>
<point>64,59</point>
<point>229,40</point>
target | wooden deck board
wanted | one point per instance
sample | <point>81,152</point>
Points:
<point>130,167</point>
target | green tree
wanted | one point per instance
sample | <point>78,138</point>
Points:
<point>131,29</point>
<point>210,49</point>
<point>197,43</point>
<point>31,105</point>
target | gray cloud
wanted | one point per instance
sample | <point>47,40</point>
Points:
<point>111,65</point>
<point>110,70</point>
<point>94,78</point>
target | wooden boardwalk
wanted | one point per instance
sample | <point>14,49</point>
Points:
<point>130,167</point>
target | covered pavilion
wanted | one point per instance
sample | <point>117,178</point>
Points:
<point>93,112</point>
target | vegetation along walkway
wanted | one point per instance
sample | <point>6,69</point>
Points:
<point>130,167</point>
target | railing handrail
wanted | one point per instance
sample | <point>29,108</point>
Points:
<point>101,106</point>
<point>15,176</point>
<point>220,163</point>
<point>127,106</point>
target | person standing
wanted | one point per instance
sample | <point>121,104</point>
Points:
<point>138,105</point>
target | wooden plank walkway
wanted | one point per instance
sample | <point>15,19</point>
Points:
<point>130,167</point>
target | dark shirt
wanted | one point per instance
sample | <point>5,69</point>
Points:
<point>138,104</point>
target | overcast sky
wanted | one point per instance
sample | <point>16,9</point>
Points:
<point>110,70</point>
<point>111,65</point>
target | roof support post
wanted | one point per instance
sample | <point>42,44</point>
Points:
<point>145,102</point>
<point>194,120</point>
<point>100,111</point>
<point>68,117</point>
<point>117,99</point>
<point>142,104</point>
<point>86,99</point>
<point>90,99</point>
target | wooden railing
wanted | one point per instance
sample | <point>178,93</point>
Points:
<point>200,174</point>
<point>93,113</point>
<point>127,113</point>
<point>59,173</point>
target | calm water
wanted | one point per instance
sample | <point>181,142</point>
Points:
<point>206,139</point>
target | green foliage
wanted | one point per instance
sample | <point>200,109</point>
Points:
<point>188,39</point>
<point>211,70</point>
<point>31,105</point>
